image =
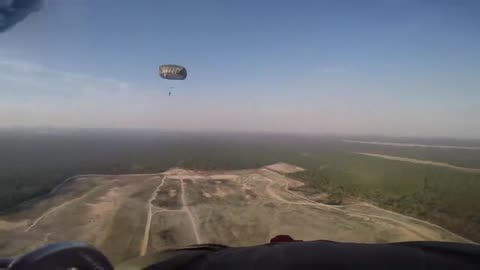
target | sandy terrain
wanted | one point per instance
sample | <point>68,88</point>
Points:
<point>131,215</point>
<point>421,161</point>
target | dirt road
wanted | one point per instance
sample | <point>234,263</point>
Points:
<point>414,145</point>
<point>190,215</point>
<point>148,224</point>
<point>421,161</point>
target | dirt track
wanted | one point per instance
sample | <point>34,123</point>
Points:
<point>415,145</point>
<point>131,215</point>
<point>421,161</point>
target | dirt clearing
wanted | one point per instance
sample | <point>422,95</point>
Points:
<point>126,216</point>
<point>284,168</point>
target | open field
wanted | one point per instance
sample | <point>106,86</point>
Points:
<point>131,215</point>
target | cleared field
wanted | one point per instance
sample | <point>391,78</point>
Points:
<point>130,215</point>
<point>284,168</point>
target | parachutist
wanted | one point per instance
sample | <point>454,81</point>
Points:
<point>172,72</point>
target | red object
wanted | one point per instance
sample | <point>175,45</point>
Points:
<point>283,238</point>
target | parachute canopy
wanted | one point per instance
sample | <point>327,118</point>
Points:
<point>173,72</point>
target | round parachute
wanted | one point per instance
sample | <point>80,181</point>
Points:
<point>173,72</point>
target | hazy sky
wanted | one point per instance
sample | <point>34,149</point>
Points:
<point>394,67</point>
